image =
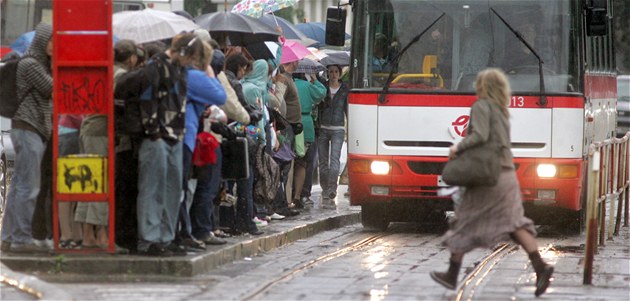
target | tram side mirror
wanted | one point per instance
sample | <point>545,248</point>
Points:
<point>335,26</point>
<point>596,18</point>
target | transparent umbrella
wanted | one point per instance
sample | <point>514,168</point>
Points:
<point>149,25</point>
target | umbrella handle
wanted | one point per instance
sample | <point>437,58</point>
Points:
<point>274,18</point>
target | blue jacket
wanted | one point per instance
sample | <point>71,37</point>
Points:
<point>332,112</point>
<point>202,91</point>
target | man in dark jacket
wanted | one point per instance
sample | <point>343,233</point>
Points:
<point>160,91</point>
<point>31,129</point>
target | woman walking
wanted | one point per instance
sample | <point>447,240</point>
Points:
<point>331,135</point>
<point>489,215</point>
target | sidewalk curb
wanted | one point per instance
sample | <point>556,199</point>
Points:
<point>191,265</point>
<point>32,285</point>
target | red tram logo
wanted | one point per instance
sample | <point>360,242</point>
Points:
<point>460,125</point>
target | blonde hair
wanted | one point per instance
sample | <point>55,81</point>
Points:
<point>202,60</point>
<point>492,84</point>
<point>198,52</point>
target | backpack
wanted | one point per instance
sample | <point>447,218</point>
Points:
<point>144,96</point>
<point>9,102</point>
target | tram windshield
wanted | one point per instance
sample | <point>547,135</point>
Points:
<point>468,37</point>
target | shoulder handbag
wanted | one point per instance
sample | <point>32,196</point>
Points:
<point>478,166</point>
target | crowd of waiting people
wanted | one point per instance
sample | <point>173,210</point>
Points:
<point>186,112</point>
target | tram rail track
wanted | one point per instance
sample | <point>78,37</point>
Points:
<point>474,279</point>
<point>289,274</point>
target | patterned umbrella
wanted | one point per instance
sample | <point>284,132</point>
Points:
<point>149,25</point>
<point>256,8</point>
<point>309,66</point>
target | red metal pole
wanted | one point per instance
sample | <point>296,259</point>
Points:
<point>603,191</point>
<point>620,184</point>
<point>591,212</point>
<point>627,181</point>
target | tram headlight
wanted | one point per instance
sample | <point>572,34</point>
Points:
<point>380,167</point>
<point>546,170</point>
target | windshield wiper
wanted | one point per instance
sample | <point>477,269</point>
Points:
<point>394,64</point>
<point>519,36</point>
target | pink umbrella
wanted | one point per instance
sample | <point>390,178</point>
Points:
<point>293,51</point>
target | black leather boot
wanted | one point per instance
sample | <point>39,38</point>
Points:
<point>449,278</point>
<point>543,273</point>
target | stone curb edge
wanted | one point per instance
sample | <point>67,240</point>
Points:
<point>135,265</point>
<point>32,285</point>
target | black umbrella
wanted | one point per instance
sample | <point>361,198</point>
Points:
<point>289,30</point>
<point>240,29</point>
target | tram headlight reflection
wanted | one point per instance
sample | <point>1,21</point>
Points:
<point>380,167</point>
<point>546,170</point>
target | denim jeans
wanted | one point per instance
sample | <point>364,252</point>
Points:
<point>202,209</point>
<point>329,143</point>
<point>41,225</point>
<point>29,150</point>
<point>159,191</point>
<point>184,227</point>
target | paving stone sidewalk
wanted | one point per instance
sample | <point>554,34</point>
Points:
<point>513,278</point>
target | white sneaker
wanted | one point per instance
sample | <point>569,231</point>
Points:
<point>259,222</point>
<point>44,243</point>
<point>276,216</point>
<point>229,201</point>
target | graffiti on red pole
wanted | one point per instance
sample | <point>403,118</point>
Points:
<point>83,92</point>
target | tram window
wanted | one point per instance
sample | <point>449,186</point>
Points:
<point>610,53</point>
<point>593,54</point>
<point>602,53</point>
<point>605,56</point>
<point>597,52</point>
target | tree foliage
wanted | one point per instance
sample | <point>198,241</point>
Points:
<point>199,7</point>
